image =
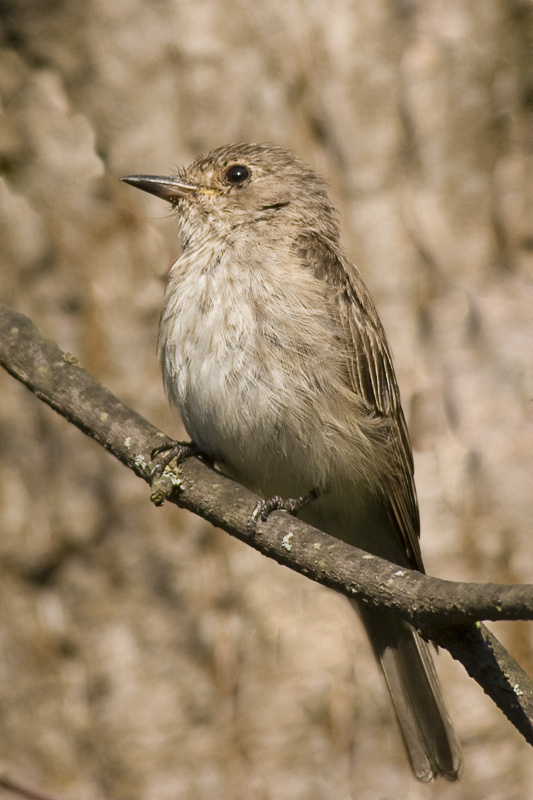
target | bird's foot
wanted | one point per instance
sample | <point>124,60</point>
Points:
<point>264,508</point>
<point>172,450</point>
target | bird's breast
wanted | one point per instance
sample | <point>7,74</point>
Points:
<point>252,356</point>
<point>215,365</point>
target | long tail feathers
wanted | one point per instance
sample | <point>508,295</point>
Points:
<point>406,661</point>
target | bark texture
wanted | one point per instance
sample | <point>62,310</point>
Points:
<point>180,664</point>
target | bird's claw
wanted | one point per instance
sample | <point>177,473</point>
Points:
<point>172,450</point>
<point>264,508</point>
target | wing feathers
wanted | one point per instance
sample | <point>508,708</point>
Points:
<point>371,375</point>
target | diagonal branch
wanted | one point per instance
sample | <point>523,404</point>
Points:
<point>446,612</point>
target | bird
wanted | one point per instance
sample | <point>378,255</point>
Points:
<point>274,354</point>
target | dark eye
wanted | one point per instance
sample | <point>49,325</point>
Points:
<point>237,173</point>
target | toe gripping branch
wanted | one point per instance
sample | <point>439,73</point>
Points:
<point>264,508</point>
<point>171,450</point>
<point>180,451</point>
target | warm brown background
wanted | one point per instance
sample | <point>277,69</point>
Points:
<point>143,654</point>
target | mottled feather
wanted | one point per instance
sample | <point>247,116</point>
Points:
<point>371,375</point>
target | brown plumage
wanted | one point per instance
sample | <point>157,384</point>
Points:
<point>274,353</point>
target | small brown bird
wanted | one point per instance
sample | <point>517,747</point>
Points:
<point>275,356</point>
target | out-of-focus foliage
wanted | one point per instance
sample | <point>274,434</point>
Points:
<point>145,655</point>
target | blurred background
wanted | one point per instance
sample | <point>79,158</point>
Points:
<point>143,653</point>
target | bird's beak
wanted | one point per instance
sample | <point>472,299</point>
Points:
<point>170,189</point>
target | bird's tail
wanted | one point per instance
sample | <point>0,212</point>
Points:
<point>431,743</point>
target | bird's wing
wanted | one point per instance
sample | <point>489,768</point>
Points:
<point>371,375</point>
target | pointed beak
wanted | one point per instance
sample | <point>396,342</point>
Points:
<point>170,189</point>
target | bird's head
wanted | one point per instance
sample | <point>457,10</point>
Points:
<point>242,185</point>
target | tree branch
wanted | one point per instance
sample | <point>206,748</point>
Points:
<point>445,612</point>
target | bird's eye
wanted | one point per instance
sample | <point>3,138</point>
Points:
<point>237,173</point>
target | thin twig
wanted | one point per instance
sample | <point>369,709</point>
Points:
<point>444,611</point>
